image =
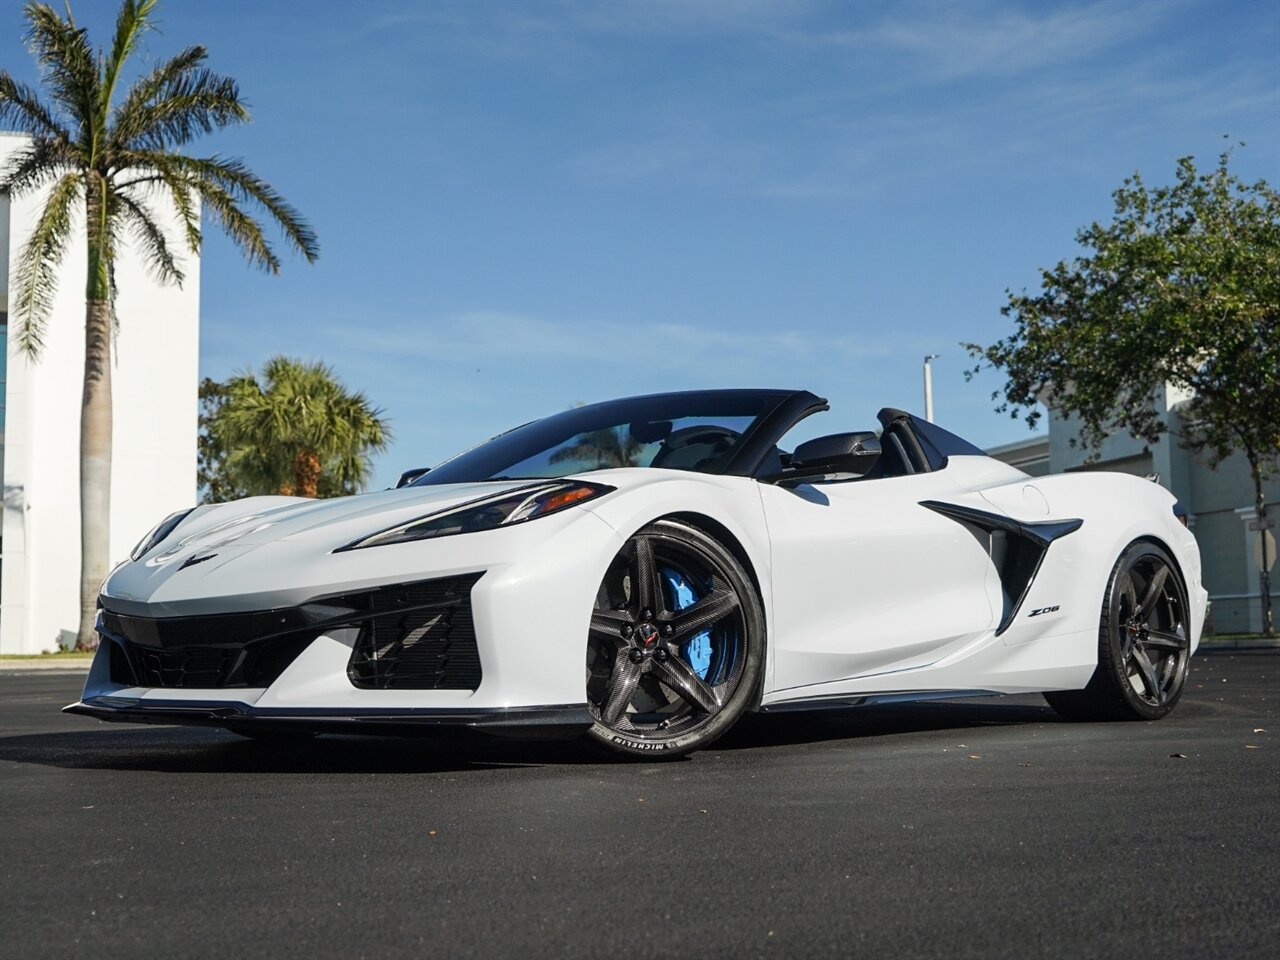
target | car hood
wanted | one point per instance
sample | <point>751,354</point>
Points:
<point>327,523</point>
<point>268,528</point>
<point>250,553</point>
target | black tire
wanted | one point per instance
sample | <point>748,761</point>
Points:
<point>653,694</point>
<point>276,735</point>
<point>1143,647</point>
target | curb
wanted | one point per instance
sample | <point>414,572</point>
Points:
<point>1230,646</point>
<point>45,666</point>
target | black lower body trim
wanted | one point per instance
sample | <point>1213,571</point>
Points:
<point>550,722</point>
<point>842,701</point>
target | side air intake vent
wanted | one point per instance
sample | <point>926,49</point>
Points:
<point>1017,549</point>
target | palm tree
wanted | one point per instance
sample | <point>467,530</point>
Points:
<point>610,447</point>
<point>113,159</point>
<point>298,433</point>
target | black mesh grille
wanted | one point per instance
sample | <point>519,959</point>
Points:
<point>413,636</point>
<point>201,652</point>
<point>425,641</point>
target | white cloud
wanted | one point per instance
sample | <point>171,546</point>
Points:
<point>922,93</point>
<point>949,41</point>
<point>482,338</point>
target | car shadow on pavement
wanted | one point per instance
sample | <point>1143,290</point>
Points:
<point>200,750</point>
<point>888,720</point>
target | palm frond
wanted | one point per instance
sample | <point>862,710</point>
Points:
<point>36,165</point>
<point>182,105</point>
<point>113,296</point>
<point>223,185</point>
<point>150,240</point>
<point>22,110</point>
<point>179,191</point>
<point>242,185</point>
<point>131,23</point>
<point>35,280</point>
<point>245,232</point>
<point>124,121</point>
<point>68,64</point>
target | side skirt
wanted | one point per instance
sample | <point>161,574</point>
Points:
<point>842,701</point>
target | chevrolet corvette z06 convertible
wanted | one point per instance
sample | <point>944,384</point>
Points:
<point>643,571</point>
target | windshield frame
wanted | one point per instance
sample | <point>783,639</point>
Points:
<point>776,412</point>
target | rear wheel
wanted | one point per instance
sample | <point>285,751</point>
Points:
<point>675,646</point>
<point>1143,643</point>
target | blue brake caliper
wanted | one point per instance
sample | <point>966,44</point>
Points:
<point>697,650</point>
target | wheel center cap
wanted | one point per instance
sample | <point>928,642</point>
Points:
<point>647,634</point>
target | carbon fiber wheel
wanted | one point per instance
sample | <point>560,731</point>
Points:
<point>675,644</point>
<point>1143,643</point>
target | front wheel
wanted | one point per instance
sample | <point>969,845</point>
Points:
<point>1144,647</point>
<point>676,644</point>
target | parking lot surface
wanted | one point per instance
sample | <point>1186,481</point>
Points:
<point>981,828</point>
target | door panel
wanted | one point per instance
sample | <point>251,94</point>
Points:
<point>865,580</point>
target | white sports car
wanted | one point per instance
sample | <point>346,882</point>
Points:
<point>643,571</point>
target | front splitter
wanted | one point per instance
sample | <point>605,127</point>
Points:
<point>548,722</point>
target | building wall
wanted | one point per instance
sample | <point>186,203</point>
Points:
<point>154,384</point>
<point>1223,506</point>
<point>4,330</point>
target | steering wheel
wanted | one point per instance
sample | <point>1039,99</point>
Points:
<point>701,433</point>
<point>718,437</point>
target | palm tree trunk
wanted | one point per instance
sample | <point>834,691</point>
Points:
<point>306,474</point>
<point>95,451</point>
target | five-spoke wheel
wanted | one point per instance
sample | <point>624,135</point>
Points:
<point>674,651</point>
<point>1143,647</point>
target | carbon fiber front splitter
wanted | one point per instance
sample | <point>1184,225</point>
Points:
<point>550,722</point>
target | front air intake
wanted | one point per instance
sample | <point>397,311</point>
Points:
<point>412,636</point>
<point>208,652</point>
<point>425,640</point>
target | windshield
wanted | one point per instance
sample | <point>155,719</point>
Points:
<point>698,431</point>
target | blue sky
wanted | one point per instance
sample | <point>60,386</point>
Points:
<point>521,206</point>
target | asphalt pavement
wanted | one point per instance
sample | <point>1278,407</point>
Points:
<point>983,829</point>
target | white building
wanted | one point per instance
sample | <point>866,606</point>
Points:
<point>1219,503</point>
<point>154,384</point>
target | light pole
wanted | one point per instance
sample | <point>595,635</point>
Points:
<point>928,387</point>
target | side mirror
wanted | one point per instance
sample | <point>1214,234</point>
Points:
<point>409,476</point>
<point>839,453</point>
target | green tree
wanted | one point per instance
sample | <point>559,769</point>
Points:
<point>1182,287</point>
<point>298,432</point>
<point>214,477</point>
<point>106,164</point>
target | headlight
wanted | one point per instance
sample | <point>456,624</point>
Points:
<point>488,513</point>
<point>158,534</point>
